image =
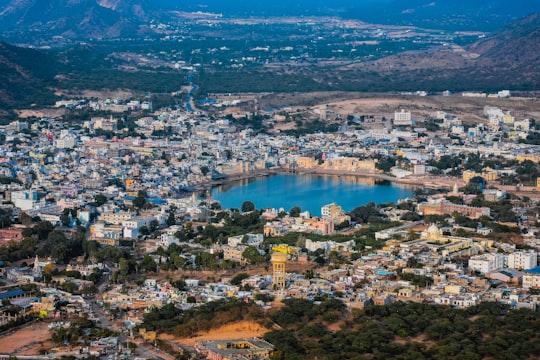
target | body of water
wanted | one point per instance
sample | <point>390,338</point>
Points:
<point>309,192</point>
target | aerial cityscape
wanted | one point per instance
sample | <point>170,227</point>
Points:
<point>294,180</point>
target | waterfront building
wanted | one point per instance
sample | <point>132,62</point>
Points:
<point>444,207</point>
<point>331,210</point>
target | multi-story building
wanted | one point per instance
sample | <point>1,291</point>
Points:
<point>522,260</point>
<point>252,348</point>
<point>486,262</point>
<point>8,235</point>
<point>488,175</point>
<point>331,210</point>
<point>138,222</point>
<point>234,253</point>
<point>402,117</point>
<point>531,278</point>
<point>115,218</point>
<point>446,207</point>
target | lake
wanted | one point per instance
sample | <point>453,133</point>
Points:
<point>309,192</point>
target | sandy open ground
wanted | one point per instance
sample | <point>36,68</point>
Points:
<point>422,107</point>
<point>237,330</point>
<point>27,341</point>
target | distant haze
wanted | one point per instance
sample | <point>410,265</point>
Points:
<point>472,14</point>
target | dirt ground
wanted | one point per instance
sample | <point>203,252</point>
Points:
<point>238,330</point>
<point>262,269</point>
<point>467,109</point>
<point>27,341</point>
<point>41,113</point>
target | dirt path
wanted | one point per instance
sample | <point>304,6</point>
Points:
<point>238,330</point>
<point>28,340</point>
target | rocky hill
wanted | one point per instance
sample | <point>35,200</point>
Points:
<point>507,58</point>
<point>25,77</point>
<point>32,21</point>
<point>513,52</point>
<point>41,20</point>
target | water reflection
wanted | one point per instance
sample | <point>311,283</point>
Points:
<point>309,191</point>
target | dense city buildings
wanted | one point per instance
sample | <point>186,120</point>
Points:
<point>85,192</point>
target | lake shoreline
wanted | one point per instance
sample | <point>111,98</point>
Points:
<point>308,190</point>
<point>422,182</point>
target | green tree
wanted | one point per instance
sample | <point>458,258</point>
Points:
<point>237,279</point>
<point>205,170</point>
<point>140,200</point>
<point>171,220</point>
<point>65,220</point>
<point>247,206</point>
<point>295,211</point>
<point>42,229</point>
<point>180,285</point>
<point>148,264</point>
<point>144,230</point>
<point>100,199</point>
<point>251,254</point>
<point>154,224</point>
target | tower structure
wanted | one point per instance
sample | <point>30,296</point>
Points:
<point>323,112</point>
<point>37,269</point>
<point>278,266</point>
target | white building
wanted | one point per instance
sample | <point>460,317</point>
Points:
<point>503,94</point>
<point>402,117</point>
<point>331,210</point>
<point>166,240</point>
<point>115,218</point>
<point>522,125</point>
<point>522,260</point>
<point>419,169</point>
<point>531,278</point>
<point>329,245</point>
<point>486,262</point>
<point>251,239</point>
<point>24,200</point>
<point>138,222</point>
<point>67,142</point>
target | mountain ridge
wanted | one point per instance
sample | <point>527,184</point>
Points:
<point>80,19</point>
<point>25,77</point>
<point>507,58</point>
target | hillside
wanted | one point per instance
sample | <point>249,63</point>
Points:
<point>75,19</point>
<point>39,21</point>
<point>519,41</point>
<point>506,58</point>
<point>328,329</point>
<point>512,52</point>
<point>25,75</point>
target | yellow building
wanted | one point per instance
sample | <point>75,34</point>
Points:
<point>129,183</point>
<point>332,210</point>
<point>278,266</point>
<point>523,157</point>
<point>305,162</point>
<point>286,249</point>
<point>234,253</point>
<point>508,119</point>
<point>349,164</point>
<point>488,174</point>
